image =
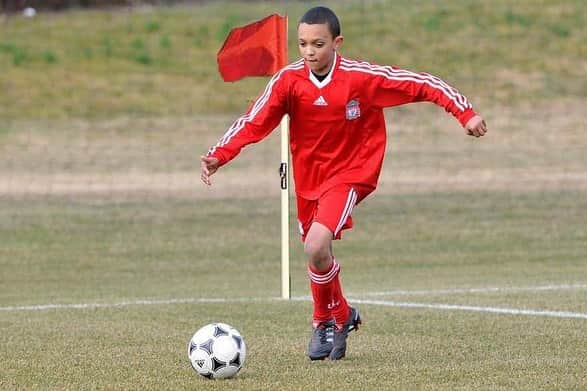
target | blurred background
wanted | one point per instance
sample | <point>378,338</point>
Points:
<point>97,71</point>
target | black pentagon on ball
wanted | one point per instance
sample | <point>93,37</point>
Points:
<point>217,364</point>
<point>207,346</point>
<point>192,347</point>
<point>238,340</point>
<point>219,331</point>
<point>236,361</point>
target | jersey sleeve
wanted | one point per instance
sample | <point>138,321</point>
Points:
<point>259,120</point>
<point>391,86</point>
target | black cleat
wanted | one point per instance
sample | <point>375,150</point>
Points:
<point>341,333</point>
<point>321,342</point>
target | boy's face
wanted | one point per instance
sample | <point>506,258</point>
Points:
<point>317,46</point>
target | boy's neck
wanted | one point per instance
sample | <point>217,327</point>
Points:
<point>320,77</point>
<point>325,75</point>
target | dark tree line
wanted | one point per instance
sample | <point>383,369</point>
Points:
<point>56,5</point>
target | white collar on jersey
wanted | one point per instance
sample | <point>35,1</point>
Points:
<point>327,79</point>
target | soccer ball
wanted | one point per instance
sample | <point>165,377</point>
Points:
<point>217,351</point>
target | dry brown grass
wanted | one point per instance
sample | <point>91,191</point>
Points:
<point>527,149</point>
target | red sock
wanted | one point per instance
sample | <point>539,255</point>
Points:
<point>340,307</point>
<point>322,285</point>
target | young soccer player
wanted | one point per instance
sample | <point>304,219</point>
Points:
<point>337,141</point>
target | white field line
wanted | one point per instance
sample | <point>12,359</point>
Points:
<point>126,303</point>
<point>495,310</point>
<point>445,307</point>
<point>453,291</point>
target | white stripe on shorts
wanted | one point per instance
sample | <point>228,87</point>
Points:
<point>348,209</point>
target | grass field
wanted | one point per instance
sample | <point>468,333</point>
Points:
<point>468,264</point>
<point>131,254</point>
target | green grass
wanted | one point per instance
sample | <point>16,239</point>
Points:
<point>174,248</point>
<point>80,252</point>
<point>162,61</point>
<point>403,349</point>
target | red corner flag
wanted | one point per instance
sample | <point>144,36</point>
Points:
<point>257,49</point>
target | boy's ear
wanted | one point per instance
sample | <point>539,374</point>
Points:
<point>338,41</point>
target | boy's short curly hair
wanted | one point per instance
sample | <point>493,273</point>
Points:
<point>322,15</point>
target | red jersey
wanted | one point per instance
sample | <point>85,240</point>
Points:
<point>337,126</point>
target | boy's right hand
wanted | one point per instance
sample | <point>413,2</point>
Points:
<point>209,166</point>
<point>476,126</point>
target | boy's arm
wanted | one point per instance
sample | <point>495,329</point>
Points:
<point>394,86</point>
<point>259,120</point>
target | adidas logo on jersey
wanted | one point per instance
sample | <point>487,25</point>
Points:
<point>320,101</point>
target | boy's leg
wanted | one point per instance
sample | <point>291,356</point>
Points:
<point>342,312</point>
<point>331,215</point>
<point>321,271</point>
<point>340,307</point>
<point>334,214</point>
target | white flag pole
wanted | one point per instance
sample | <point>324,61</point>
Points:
<point>283,173</point>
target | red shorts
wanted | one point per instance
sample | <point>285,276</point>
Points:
<point>332,209</point>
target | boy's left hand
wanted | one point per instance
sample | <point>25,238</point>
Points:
<point>209,166</point>
<point>476,126</point>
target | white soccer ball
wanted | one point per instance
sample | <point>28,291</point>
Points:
<point>217,351</point>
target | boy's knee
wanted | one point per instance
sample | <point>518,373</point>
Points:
<point>318,254</point>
